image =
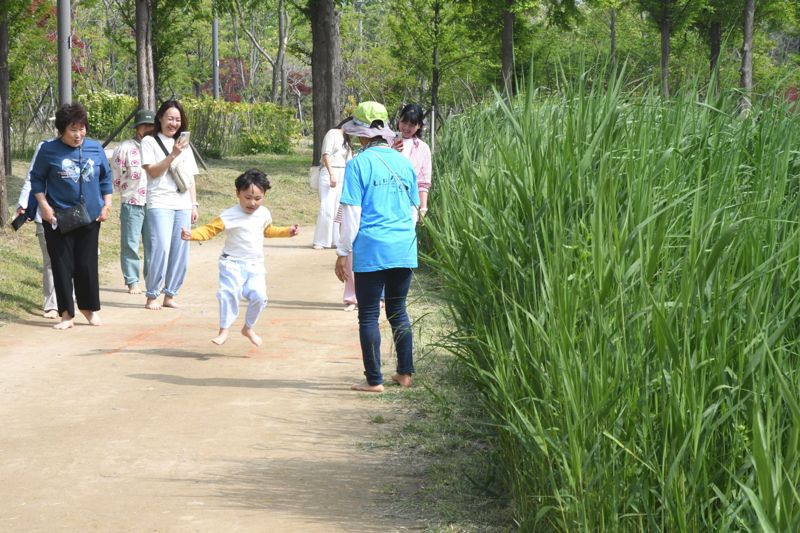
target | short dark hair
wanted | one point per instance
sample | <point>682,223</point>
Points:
<point>252,176</point>
<point>71,114</point>
<point>413,113</point>
<point>163,109</point>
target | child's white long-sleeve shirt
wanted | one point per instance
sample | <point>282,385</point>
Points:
<point>244,232</point>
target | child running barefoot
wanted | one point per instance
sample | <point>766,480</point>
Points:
<point>241,265</point>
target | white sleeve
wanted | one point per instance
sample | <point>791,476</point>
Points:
<point>25,193</point>
<point>26,187</point>
<point>148,154</point>
<point>351,222</point>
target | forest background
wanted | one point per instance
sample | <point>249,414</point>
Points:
<point>444,54</point>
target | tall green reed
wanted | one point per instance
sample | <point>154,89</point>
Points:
<point>623,275</point>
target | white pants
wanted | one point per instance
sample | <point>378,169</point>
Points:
<point>48,289</point>
<point>239,279</point>
<point>326,232</point>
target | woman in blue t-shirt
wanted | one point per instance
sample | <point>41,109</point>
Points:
<point>68,171</point>
<point>380,188</point>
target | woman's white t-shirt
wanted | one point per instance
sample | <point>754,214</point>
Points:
<point>162,193</point>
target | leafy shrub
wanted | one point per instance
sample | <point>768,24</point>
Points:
<point>107,111</point>
<point>222,129</point>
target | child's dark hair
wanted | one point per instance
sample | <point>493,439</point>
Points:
<point>252,176</point>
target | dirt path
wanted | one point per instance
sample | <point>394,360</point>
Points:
<point>144,425</point>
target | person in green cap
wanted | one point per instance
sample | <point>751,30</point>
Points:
<point>379,192</point>
<point>130,180</point>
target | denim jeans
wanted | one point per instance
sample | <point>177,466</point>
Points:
<point>133,229</point>
<point>169,253</point>
<point>369,285</point>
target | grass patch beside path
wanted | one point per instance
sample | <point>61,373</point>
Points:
<point>290,200</point>
<point>446,443</point>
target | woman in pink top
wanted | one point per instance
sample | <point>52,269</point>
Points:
<point>417,151</point>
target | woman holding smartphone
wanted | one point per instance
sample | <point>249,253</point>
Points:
<point>169,209</point>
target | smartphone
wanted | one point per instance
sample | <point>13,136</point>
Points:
<point>184,136</point>
<point>18,222</point>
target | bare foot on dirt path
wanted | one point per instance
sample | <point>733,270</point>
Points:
<point>143,424</point>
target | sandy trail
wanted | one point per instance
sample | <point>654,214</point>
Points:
<point>144,425</point>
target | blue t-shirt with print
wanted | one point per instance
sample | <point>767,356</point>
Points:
<point>58,167</point>
<point>386,236</point>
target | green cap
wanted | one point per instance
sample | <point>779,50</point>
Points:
<point>144,116</point>
<point>368,112</point>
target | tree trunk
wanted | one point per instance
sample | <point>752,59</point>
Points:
<point>326,68</point>
<point>215,57</point>
<point>239,60</point>
<point>507,47</point>
<point>612,30</point>
<point>3,181</point>
<point>715,44</point>
<point>5,115</point>
<point>278,89</point>
<point>253,81</point>
<point>665,32</point>
<point>747,54</point>
<point>145,72</point>
<point>5,154</point>
<point>436,73</point>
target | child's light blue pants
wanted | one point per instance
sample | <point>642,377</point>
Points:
<point>239,279</point>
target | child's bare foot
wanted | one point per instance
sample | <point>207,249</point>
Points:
<point>250,334</point>
<point>50,313</point>
<point>66,321</point>
<point>169,301</point>
<point>404,380</point>
<point>349,307</point>
<point>152,304</point>
<point>221,337</point>
<point>92,317</point>
<point>366,387</point>
<point>133,288</point>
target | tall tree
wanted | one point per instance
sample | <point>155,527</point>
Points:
<point>669,16</point>
<point>326,68</point>
<point>5,155</point>
<point>715,18</point>
<point>507,48</point>
<point>145,73</point>
<point>279,71</point>
<point>747,53</point>
<point>612,7</point>
<point>436,44</point>
<point>5,118</point>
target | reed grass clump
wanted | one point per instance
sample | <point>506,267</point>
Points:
<point>622,273</point>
